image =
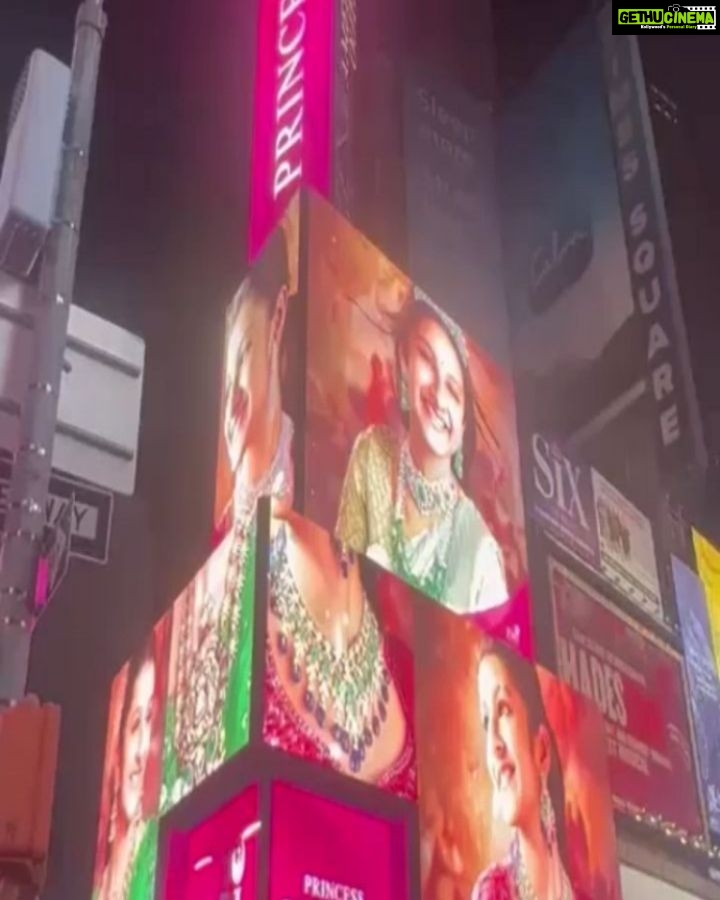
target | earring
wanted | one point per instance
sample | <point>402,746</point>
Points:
<point>548,822</point>
<point>457,464</point>
<point>404,397</point>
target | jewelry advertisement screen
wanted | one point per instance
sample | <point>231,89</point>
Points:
<point>217,860</point>
<point>412,455</point>
<point>128,828</point>
<point>256,415</point>
<point>514,795</point>
<point>321,849</point>
<point>339,666</point>
<point>208,715</point>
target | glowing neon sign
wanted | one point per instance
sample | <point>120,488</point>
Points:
<point>292,108</point>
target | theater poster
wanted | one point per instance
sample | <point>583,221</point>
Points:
<point>321,848</point>
<point>704,685</point>
<point>627,547</point>
<point>639,685</point>
<point>411,442</point>
<point>590,519</point>
<point>707,558</point>
<point>511,762</point>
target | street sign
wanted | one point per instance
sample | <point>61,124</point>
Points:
<point>91,515</point>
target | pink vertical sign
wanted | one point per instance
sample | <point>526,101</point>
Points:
<point>292,108</point>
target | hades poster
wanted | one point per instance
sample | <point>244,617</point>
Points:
<point>208,715</point>
<point>704,684</point>
<point>411,449</point>
<point>339,678</point>
<point>639,685</point>
<point>217,860</point>
<point>320,848</point>
<point>512,768</point>
<point>256,431</point>
<point>128,830</point>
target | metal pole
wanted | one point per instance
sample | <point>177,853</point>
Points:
<point>25,516</point>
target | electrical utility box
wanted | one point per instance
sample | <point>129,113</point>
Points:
<point>30,169</point>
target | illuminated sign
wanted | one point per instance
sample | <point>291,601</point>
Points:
<point>292,111</point>
<point>652,274</point>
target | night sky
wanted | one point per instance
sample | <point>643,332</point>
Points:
<point>163,245</point>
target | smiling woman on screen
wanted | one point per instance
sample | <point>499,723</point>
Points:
<point>527,782</point>
<point>130,872</point>
<point>404,501</point>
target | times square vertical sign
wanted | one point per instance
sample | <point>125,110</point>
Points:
<point>292,122</point>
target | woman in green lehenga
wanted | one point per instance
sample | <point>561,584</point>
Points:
<point>405,501</point>
<point>130,849</point>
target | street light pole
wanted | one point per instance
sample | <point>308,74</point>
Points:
<point>26,501</point>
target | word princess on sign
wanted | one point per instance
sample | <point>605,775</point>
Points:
<point>321,889</point>
<point>290,98</point>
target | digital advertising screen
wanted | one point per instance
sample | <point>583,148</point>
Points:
<point>128,827</point>
<point>217,859</point>
<point>210,668</point>
<point>707,559</point>
<point>514,797</point>
<point>339,684</point>
<point>639,685</point>
<point>411,446</point>
<point>704,686</point>
<point>255,440</point>
<point>322,849</point>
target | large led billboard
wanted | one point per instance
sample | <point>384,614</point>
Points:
<point>514,798</point>
<point>339,685</point>
<point>321,848</point>
<point>256,432</point>
<point>177,711</point>
<point>128,827</point>
<point>210,668</point>
<point>411,452</point>
<point>218,858</point>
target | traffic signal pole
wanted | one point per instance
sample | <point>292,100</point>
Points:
<point>26,500</point>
